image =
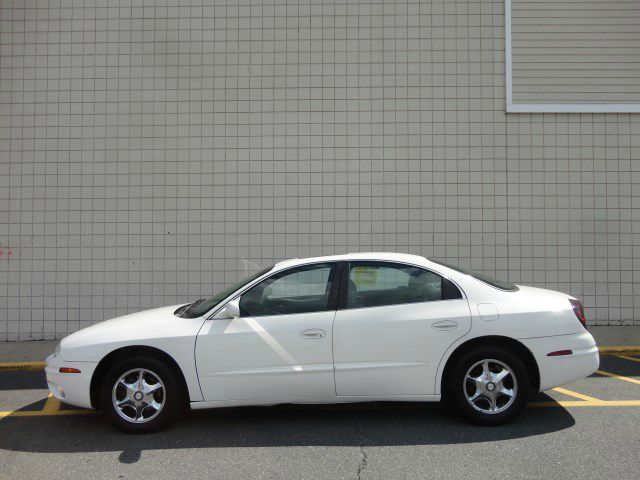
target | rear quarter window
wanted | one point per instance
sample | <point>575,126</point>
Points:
<point>494,282</point>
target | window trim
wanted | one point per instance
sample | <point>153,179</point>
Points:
<point>333,294</point>
<point>344,284</point>
<point>549,107</point>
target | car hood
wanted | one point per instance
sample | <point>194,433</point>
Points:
<point>136,328</point>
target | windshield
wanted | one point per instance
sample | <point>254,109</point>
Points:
<point>199,308</point>
<point>510,287</point>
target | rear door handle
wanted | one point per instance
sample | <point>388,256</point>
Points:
<point>313,333</point>
<point>445,325</point>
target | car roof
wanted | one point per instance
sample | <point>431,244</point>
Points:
<point>385,256</point>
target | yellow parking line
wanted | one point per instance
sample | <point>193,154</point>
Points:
<point>570,403</point>
<point>628,358</point>
<point>577,395</point>
<point>621,403</point>
<point>619,377</point>
<point>21,366</point>
<point>51,405</point>
<point>44,413</point>
<point>629,350</point>
<point>575,403</point>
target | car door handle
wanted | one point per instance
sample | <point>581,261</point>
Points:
<point>445,325</point>
<point>313,333</point>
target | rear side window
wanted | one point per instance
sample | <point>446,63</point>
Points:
<point>375,284</point>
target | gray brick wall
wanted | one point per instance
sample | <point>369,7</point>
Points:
<point>154,151</point>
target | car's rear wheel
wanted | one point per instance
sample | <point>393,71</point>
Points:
<point>490,385</point>
<point>141,394</point>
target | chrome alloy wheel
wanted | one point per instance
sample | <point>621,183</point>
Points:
<point>490,386</point>
<point>138,395</point>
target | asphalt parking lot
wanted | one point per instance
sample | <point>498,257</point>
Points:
<point>587,429</point>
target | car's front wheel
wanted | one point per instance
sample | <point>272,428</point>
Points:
<point>141,394</point>
<point>490,385</point>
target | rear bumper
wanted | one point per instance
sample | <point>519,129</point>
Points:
<point>71,388</point>
<point>556,371</point>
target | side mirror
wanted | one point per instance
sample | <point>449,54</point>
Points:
<point>231,310</point>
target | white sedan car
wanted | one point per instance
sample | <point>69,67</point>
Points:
<point>346,328</point>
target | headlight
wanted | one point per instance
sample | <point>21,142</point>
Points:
<point>56,351</point>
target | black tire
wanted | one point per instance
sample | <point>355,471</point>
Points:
<point>170,393</point>
<point>506,408</point>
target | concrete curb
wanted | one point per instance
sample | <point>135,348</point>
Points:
<point>37,366</point>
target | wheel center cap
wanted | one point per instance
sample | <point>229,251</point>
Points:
<point>491,386</point>
<point>138,396</point>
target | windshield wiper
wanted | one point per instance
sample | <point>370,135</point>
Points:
<point>191,306</point>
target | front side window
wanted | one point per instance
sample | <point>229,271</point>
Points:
<point>299,290</point>
<point>375,284</point>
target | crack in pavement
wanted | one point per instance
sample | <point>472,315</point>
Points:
<point>363,460</point>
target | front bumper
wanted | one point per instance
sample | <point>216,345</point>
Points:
<point>71,388</point>
<point>556,371</point>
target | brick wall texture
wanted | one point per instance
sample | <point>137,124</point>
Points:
<point>153,151</point>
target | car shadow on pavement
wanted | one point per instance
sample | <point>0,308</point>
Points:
<point>358,425</point>
<point>23,381</point>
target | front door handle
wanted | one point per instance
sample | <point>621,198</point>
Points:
<point>313,333</point>
<point>445,325</point>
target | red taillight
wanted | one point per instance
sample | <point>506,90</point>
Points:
<point>579,311</point>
